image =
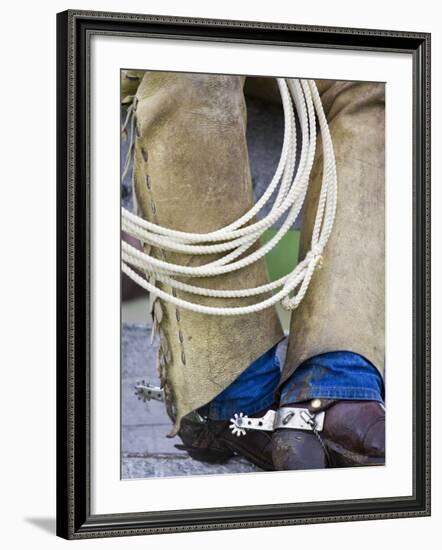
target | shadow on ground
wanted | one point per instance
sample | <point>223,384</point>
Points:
<point>45,524</point>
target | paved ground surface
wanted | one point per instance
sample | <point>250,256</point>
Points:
<point>146,451</point>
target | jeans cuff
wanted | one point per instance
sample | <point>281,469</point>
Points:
<point>351,394</point>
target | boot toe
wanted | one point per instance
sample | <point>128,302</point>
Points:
<point>297,450</point>
<point>374,441</point>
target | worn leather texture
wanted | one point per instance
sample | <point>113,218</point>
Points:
<point>297,450</point>
<point>353,435</point>
<point>191,172</point>
<point>344,306</point>
<point>357,427</point>
<point>130,80</point>
<point>200,442</point>
<point>213,441</point>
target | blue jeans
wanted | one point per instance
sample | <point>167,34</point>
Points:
<point>333,375</point>
<point>251,392</point>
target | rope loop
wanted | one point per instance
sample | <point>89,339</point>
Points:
<point>233,243</point>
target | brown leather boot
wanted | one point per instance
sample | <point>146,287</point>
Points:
<point>199,441</point>
<point>353,435</point>
<point>213,441</point>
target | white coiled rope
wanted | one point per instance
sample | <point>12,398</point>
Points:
<point>235,239</point>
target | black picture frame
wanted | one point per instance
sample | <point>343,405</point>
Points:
<point>74,518</point>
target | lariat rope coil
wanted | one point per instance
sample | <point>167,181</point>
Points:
<point>235,239</point>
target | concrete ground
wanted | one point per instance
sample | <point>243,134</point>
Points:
<point>145,449</point>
